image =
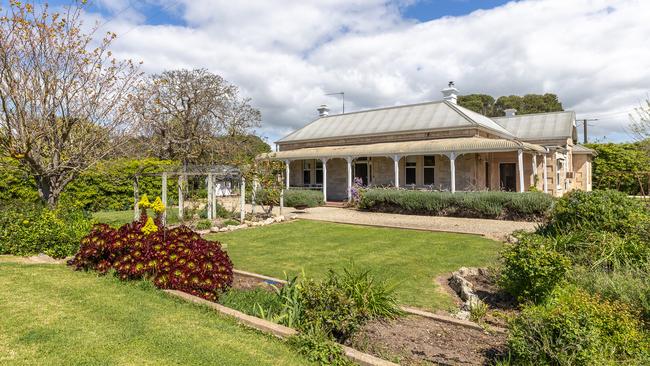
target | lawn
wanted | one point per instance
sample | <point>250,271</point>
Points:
<point>411,259</point>
<point>119,218</point>
<point>52,315</point>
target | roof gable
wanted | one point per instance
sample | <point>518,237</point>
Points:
<point>414,117</point>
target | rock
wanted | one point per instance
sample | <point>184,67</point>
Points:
<point>280,218</point>
<point>463,288</point>
<point>269,221</point>
<point>465,271</point>
<point>223,229</point>
<point>243,226</point>
<point>215,229</point>
<point>293,217</point>
<point>462,314</point>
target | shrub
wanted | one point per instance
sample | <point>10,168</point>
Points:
<point>602,249</point>
<point>610,211</point>
<point>30,228</point>
<point>317,347</point>
<point>575,328</point>
<point>629,285</point>
<point>175,258</point>
<point>303,197</point>
<point>109,184</point>
<point>532,268</point>
<point>203,225</point>
<point>494,205</point>
<point>336,306</point>
<point>343,302</point>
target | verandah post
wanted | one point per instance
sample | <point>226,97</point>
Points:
<point>349,160</point>
<point>396,167</point>
<point>287,169</point>
<point>534,170</point>
<point>545,175</point>
<point>452,165</point>
<point>520,166</point>
<point>324,160</point>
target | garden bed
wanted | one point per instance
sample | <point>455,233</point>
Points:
<point>413,339</point>
<point>528,206</point>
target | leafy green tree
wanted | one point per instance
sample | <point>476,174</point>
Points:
<point>527,104</point>
<point>621,166</point>
<point>479,103</point>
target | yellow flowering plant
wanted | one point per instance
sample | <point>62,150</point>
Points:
<point>149,227</point>
<point>158,206</point>
<point>144,202</point>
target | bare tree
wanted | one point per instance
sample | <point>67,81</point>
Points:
<point>640,121</point>
<point>63,96</point>
<point>183,111</point>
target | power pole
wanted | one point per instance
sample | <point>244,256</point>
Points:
<point>584,128</point>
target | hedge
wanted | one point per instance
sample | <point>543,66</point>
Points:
<point>106,186</point>
<point>303,197</point>
<point>492,205</point>
<point>31,228</point>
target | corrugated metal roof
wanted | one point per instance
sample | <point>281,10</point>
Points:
<point>415,117</point>
<point>581,149</point>
<point>422,147</point>
<point>539,126</point>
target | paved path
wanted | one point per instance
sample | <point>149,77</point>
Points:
<point>494,229</point>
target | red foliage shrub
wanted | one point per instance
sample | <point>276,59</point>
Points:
<point>175,258</point>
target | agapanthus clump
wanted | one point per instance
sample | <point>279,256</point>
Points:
<point>175,258</point>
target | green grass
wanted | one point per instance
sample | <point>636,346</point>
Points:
<point>119,218</point>
<point>410,258</point>
<point>51,315</point>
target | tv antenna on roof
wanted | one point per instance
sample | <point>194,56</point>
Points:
<point>342,94</point>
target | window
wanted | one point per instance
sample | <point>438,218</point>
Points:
<point>306,173</point>
<point>411,162</point>
<point>429,166</point>
<point>319,172</point>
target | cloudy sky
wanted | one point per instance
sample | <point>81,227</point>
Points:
<point>286,55</point>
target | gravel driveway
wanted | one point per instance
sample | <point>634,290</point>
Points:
<point>494,229</point>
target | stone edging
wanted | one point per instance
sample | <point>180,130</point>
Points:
<point>450,320</point>
<point>261,277</point>
<point>277,330</point>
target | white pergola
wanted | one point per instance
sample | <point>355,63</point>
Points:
<point>452,148</point>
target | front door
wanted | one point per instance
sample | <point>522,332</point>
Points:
<point>508,176</point>
<point>361,171</point>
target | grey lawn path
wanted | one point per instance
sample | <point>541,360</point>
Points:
<point>494,229</point>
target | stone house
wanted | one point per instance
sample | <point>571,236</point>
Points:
<point>437,146</point>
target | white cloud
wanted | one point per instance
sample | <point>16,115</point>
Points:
<point>286,55</point>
